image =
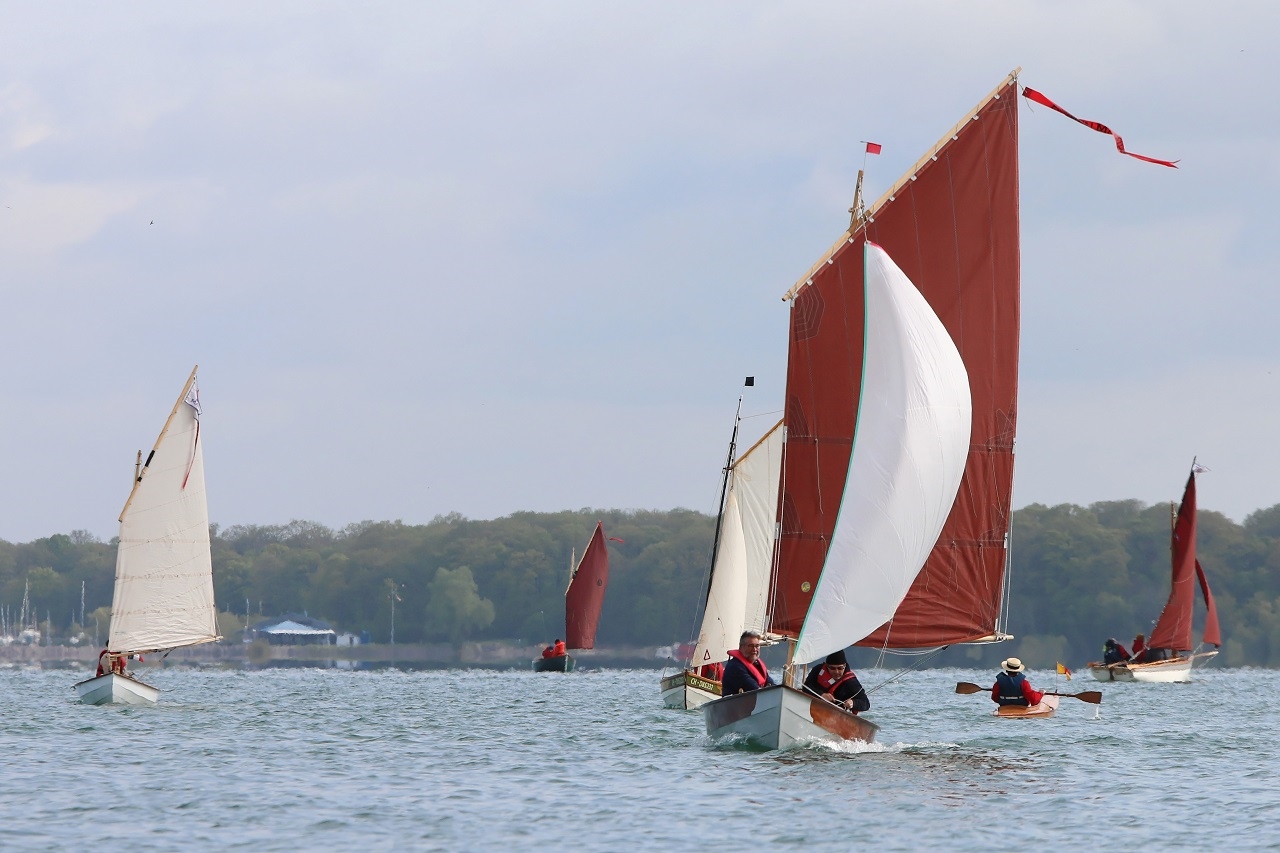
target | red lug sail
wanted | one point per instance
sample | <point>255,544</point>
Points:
<point>585,595</point>
<point>952,226</point>
<point>1173,628</point>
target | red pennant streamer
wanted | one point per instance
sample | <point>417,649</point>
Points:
<point>1032,95</point>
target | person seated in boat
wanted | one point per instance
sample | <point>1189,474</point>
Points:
<point>558,650</point>
<point>712,671</point>
<point>1139,646</point>
<point>113,663</point>
<point>548,652</point>
<point>1113,652</point>
<point>1012,686</point>
<point>836,683</point>
<point>745,671</point>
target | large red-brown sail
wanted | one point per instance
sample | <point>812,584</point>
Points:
<point>952,226</point>
<point>1173,628</point>
<point>585,595</point>
<point>1212,633</point>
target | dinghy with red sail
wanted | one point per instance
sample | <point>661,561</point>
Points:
<point>583,601</point>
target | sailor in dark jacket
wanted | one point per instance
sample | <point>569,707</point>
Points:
<point>745,671</point>
<point>1012,687</point>
<point>835,682</point>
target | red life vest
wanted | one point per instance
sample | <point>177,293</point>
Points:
<point>713,671</point>
<point>558,650</point>
<point>758,670</point>
<point>829,684</point>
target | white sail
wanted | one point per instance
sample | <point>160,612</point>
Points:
<point>909,452</point>
<point>164,576</point>
<point>739,594</point>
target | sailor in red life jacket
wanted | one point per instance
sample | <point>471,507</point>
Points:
<point>113,663</point>
<point>558,650</point>
<point>1012,687</point>
<point>712,671</point>
<point>745,671</point>
<point>836,683</point>
<point>1139,646</point>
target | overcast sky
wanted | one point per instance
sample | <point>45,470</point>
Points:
<point>490,257</point>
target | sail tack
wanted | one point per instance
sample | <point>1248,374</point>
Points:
<point>739,591</point>
<point>585,596</point>
<point>952,227</point>
<point>909,452</point>
<point>164,576</point>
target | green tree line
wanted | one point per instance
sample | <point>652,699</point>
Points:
<point>1078,576</point>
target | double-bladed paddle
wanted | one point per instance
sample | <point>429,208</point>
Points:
<point>1093,697</point>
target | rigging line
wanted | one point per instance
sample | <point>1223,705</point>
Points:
<point>925,657</point>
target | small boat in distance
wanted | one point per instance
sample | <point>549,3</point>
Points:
<point>163,596</point>
<point>583,601</point>
<point>1168,657</point>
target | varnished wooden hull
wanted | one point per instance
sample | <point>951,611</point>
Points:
<point>688,690</point>
<point>559,663</point>
<point>780,717</point>
<point>1048,705</point>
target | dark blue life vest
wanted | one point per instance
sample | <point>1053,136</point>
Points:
<point>1010,689</point>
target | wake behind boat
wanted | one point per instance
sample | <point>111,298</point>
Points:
<point>1168,657</point>
<point>901,403</point>
<point>163,595</point>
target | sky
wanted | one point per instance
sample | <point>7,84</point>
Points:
<point>488,257</point>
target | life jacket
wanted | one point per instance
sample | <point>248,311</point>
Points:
<point>758,670</point>
<point>548,653</point>
<point>714,671</point>
<point>1010,689</point>
<point>828,683</point>
<point>558,650</point>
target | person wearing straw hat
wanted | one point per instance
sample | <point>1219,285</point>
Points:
<point>1012,686</point>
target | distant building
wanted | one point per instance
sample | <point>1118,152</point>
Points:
<point>293,629</point>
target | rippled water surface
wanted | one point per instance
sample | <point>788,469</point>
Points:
<point>288,759</point>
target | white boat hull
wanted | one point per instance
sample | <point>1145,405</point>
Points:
<point>1172,671</point>
<point>688,690</point>
<point>114,689</point>
<point>780,717</point>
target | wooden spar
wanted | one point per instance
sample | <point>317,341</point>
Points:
<point>889,194</point>
<point>856,213</point>
<point>143,471</point>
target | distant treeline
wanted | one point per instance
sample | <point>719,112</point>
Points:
<point>1079,575</point>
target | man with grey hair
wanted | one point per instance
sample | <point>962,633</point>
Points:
<point>745,671</point>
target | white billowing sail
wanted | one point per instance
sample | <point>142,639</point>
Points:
<point>739,594</point>
<point>909,452</point>
<point>164,575</point>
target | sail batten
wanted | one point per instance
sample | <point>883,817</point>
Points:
<point>952,229</point>
<point>163,595</point>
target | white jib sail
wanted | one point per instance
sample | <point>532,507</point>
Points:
<point>164,576</point>
<point>910,446</point>
<point>739,592</point>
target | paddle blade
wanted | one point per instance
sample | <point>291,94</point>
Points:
<point>1093,697</point>
<point>967,687</point>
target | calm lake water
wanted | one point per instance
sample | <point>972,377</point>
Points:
<point>287,759</point>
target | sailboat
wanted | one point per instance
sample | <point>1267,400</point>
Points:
<point>1172,634</point>
<point>900,413</point>
<point>583,601</point>
<point>163,595</point>
<point>738,590</point>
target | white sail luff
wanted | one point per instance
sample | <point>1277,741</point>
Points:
<point>910,447</point>
<point>756,477</point>
<point>722,618</point>
<point>164,577</point>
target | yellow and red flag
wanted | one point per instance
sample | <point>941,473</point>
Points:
<point>1062,670</point>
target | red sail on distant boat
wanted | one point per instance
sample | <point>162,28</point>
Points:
<point>585,596</point>
<point>1169,657</point>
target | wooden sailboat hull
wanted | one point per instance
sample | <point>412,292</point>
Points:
<point>1173,671</point>
<point>688,690</point>
<point>780,717</point>
<point>1048,705</point>
<point>114,689</point>
<point>559,663</point>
